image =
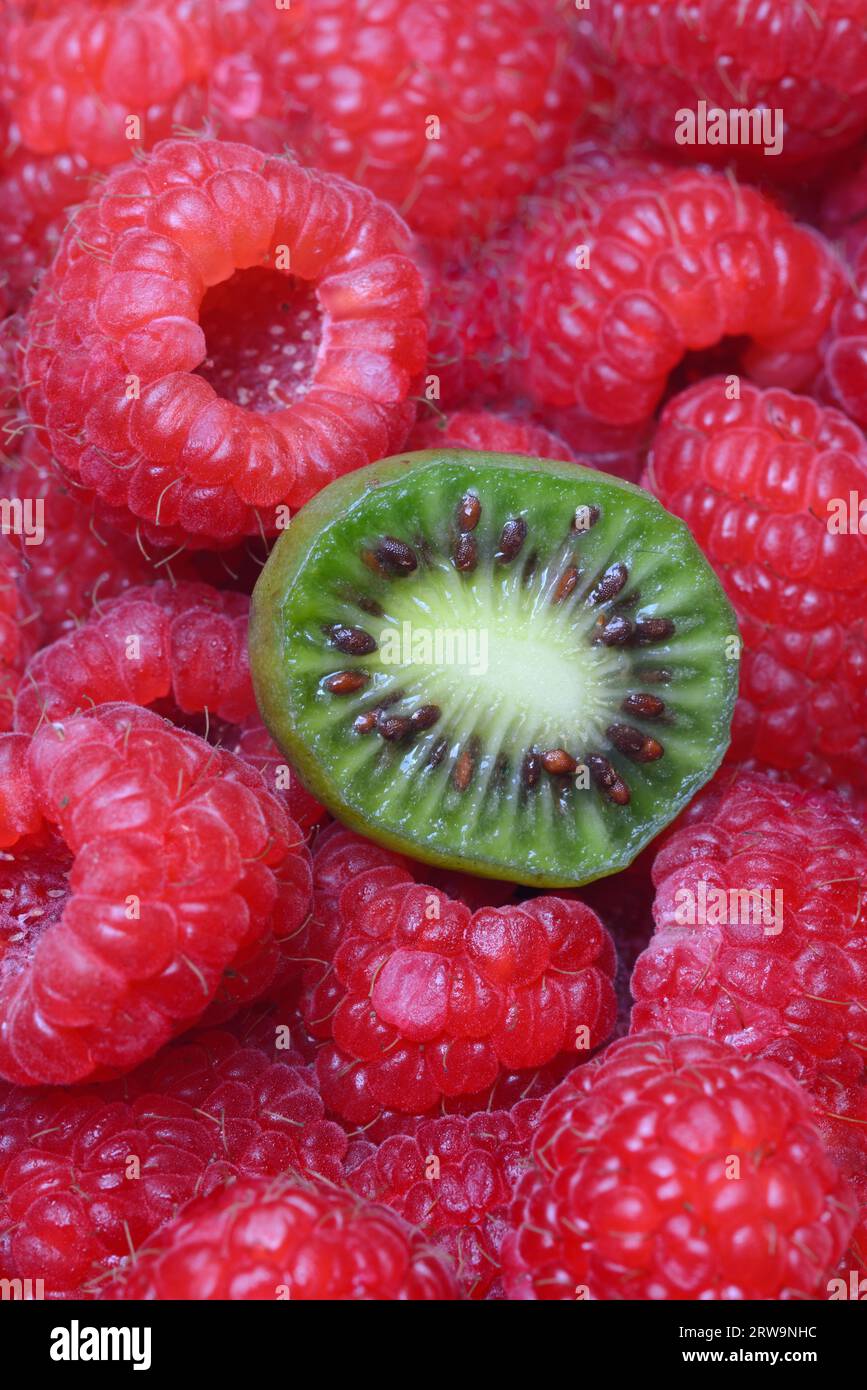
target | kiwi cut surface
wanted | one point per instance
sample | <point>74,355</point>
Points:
<point>514,667</point>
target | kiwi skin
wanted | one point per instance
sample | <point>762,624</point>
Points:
<point>267,642</point>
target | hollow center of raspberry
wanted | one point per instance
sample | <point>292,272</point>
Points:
<point>263,332</point>
<point>33,894</point>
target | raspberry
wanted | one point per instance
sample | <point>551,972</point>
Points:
<point>672,1168</point>
<point>755,479</point>
<point>184,876</point>
<point>781,977</point>
<point>75,80</point>
<point>204,1112</point>
<point>453,1177</point>
<point>481,429</point>
<point>16,640</point>
<point>254,745</point>
<point>272,1240</point>
<point>113,375</point>
<point>34,192</point>
<point>449,111</point>
<point>671,261</point>
<point>810,61</point>
<point>421,998</point>
<point>187,642</point>
<point>82,561</point>
<point>845,364</point>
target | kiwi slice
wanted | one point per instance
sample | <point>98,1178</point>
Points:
<point>518,668</point>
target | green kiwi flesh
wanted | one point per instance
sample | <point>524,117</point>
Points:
<point>519,668</point>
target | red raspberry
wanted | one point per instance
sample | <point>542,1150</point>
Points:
<point>481,429</point>
<point>89,1173</point>
<point>782,977</point>
<point>34,191</point>
<point>671,261</point>
<point>453,1177</point>
<point>275,1240</point>
<point>16,629</point>
<point>255,746</point>
<point>672,1168</point>
<point>755,479</point>
<point>82,561</point>
<point>421,998</point>
<point>113,375</point>
<point>845,364</point>
<point>189,658</point>
<point>183,642</point>
<point>184,876</point>
<point>501,79</point>
<point>76,80</point>
<point>810,61</point>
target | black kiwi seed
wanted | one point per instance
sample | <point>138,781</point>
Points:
<point>558,762</point>
<point>464,769</point>
<point>393,727</point>
<point>531,768</point>
<point>438,752</point>
<point>607,777</point>
<point>644,705</point>
<point>512,537</point>
<point>466,553</point>
<point>365,723</point>
<point>395,557</point>
<point>469,511</point>
<point>566,586</point>
<point>612,581</point>
<point>616,633</point>
<point>634,744</point>
<point>656,677</point>
<point>346,682</point>
<point>653,630</point>
<point>425,717</point>
<point>354,641</point>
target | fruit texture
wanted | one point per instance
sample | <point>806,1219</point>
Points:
<point>417,998</point>
<point>88,1173</point>
<point>449,111</point>
<point>626,266</point>
<point>183,876</point>
<point>674,1169</point>
<point>807,61</point>
<point>280,1240</point>
<point>759,938</point>
<point>764,482</point>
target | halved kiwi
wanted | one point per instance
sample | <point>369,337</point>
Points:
<point>522,669</point>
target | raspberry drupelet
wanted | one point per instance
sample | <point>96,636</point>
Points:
<point>118,366</point>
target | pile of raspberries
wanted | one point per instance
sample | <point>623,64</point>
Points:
<point>244,248</point>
